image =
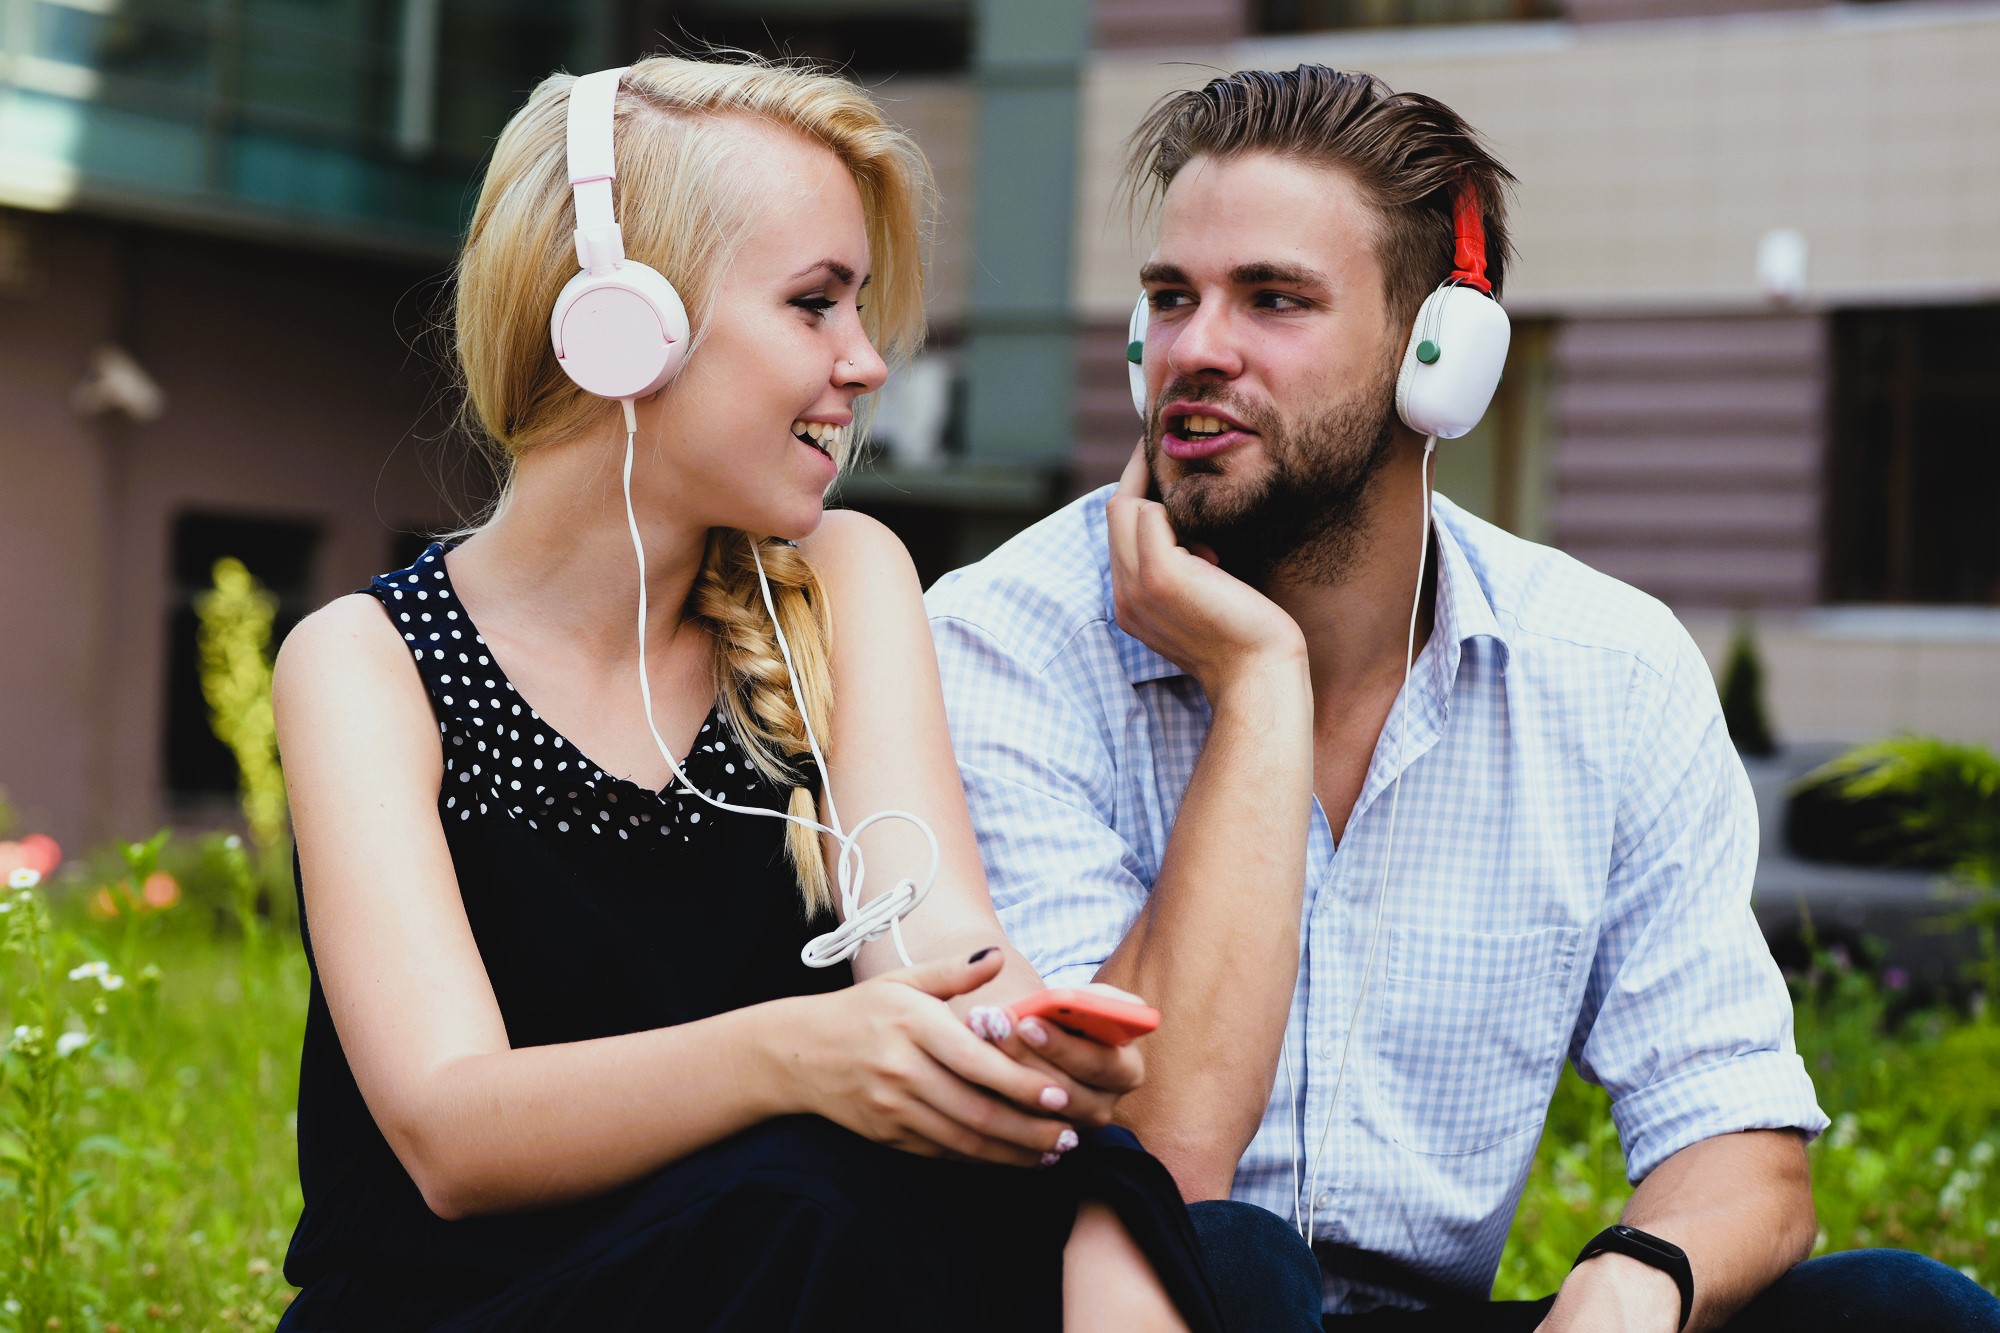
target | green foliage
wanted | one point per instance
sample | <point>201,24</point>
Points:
<point>1743,694</point>
<point>1912,1159</point>
<point>150,1177</point>
<point>1948,796</point>
<point>235,641</point>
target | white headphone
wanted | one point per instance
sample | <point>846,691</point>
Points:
<point>620,331</point>
<point>1457,346</point>
<point>619,328</point>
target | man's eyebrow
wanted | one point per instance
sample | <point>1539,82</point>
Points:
<point>1252,274</point>
<point>1291,275</point>
<point>833,266</point>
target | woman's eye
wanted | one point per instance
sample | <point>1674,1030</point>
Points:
<point>818,305</point>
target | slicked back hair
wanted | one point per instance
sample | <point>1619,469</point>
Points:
<point>1408,153</point>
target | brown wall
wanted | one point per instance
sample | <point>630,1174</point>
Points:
<point>290,394</point>
<point>1688,455</point>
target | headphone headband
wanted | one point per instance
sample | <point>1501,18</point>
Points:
<point>592,98</point>
<point>1468,261</point>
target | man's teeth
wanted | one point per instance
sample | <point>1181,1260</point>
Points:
<point>1200,425</point>
<point>825,434</point>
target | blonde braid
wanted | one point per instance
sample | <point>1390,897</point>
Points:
<point>752,685</point>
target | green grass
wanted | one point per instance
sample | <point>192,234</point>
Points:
<point>182,1190</point>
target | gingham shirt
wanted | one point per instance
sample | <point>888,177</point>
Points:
<point>1571,877</point>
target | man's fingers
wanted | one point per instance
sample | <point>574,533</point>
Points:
<point>1133,480</point>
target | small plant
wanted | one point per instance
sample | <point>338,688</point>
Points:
<point>1743,694</point>
<point>236,618</point>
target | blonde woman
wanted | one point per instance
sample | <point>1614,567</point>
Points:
<point>563,1066</point>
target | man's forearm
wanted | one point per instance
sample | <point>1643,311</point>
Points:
<point>1217,946</point>
<point>1739,1204</point>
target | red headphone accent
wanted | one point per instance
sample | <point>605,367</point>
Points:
<point>1468,263</point>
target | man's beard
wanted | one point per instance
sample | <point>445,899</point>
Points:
<point>1303,518</point>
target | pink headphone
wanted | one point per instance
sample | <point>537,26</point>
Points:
<point>619,328</point>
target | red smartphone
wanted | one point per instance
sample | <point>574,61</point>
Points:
<point>1088,1013</point>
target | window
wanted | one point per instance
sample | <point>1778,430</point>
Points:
<point>280,554</point>
<point>1911,464</point>
<point>867,38</point>
<point>1318,15</point>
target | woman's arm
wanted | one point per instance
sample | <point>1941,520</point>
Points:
<point>484,1128</point>
<point>891,749</point>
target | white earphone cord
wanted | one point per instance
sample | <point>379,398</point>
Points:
<point>860,924</point>
<point>1306,1211</point>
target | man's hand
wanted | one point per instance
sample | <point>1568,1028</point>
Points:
<point>1614,1293</point>
<point>1178,603</point>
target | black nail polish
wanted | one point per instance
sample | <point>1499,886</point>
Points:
<point>991,948</point>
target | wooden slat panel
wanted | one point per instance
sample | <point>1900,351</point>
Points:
<point>1147,23</point>
<point>1688,455</point>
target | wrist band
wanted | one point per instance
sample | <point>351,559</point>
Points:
<point>1650,1250</point>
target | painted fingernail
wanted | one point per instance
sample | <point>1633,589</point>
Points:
<point>1051,1158</point>
<point>1066,1140</point>
<point>991,948</point>
<point>990,1023</point>
<point>1054,1099</point>
<point>1033,1033</point>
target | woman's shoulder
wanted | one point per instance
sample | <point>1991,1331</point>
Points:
<point>849,548</point>
<point>349,650</point>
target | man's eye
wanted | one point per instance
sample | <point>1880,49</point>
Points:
<point>1280,301</point>
<point>1167,300</point>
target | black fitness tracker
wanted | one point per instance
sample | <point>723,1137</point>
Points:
<point>1650,1250</point>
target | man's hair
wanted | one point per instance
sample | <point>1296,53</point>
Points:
<point>1410,155</point>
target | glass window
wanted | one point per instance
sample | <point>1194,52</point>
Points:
<point>1911,464</point>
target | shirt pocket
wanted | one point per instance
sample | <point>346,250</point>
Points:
<point>1475,1026</point>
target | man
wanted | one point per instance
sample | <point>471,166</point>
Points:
<point>1376,929</point>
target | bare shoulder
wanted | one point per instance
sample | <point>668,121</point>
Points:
<point>850,547</point>
<point>346,651</point>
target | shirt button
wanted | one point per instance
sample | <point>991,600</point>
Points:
<point>1325,1200</point>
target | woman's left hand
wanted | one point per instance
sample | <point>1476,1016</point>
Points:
<point>1101,1074</point>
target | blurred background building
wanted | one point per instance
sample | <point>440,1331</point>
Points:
<point>1756,364</point>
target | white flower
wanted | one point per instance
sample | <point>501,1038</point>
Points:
<point>6,907</point>
<point>1982,1153</point>
<point>69,1043</point>
<point>88,970</point>
<point>21,1032</point>
<point>1942,1158</point>
<point>232,842</point>
<point>111,982</point>
<point>26,877</point>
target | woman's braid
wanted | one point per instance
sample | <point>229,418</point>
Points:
<point>755,689</point>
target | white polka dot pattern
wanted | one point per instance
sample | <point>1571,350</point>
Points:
<point>501,760</point>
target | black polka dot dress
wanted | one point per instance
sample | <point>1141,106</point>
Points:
<point>601,908</point>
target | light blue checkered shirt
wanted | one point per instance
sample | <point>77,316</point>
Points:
<point>1571,877</point>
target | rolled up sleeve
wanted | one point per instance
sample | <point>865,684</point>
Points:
<point>1687,1022</point>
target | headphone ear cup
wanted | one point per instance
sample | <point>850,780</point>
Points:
<point>1135,355</point>
<point>621,333</point>
<point>1452,364</point>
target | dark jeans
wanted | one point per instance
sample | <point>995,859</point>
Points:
<point>1269,1282</point>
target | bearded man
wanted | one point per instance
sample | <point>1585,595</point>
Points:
<point>1388,818</point>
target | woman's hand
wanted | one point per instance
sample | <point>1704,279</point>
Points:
<point>888,1059</point>
<point>1094,1075</point>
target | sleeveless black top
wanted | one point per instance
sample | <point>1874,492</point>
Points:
<point>599,908</point>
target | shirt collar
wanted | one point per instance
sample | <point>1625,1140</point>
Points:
<point>1462,611</point>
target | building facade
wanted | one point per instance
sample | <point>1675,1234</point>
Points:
<point>1757,312</point>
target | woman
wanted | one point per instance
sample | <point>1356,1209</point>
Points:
<point>563,1065</point>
